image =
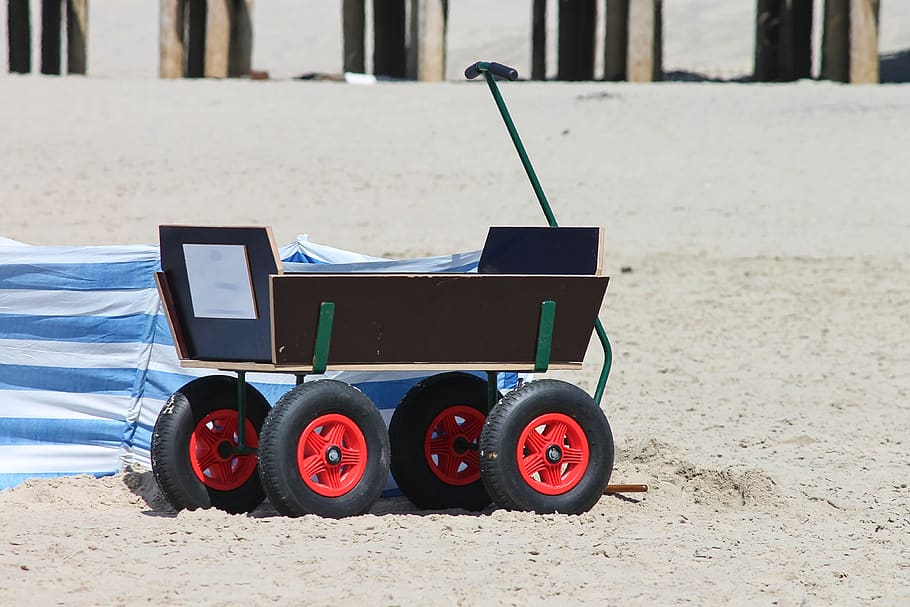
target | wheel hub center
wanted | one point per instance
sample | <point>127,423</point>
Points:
<point>333,455</point>
<point>462,445</point>
<point>554,454</point>
<point>225,449</point>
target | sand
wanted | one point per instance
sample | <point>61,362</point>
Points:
<point>760,386</point>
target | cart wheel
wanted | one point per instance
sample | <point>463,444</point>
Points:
<point>546,447</point>
<point>324,450</point>
<point>192,441</point>
<point>435,432</point>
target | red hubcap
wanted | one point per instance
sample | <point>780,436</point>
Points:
<point>332,455</point>
<point>450,445</point>
<point>553,453</point>
<point>212,456</point>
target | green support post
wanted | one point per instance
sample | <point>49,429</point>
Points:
<point>545,336</point>
<point>241,449</point>
<point>323,337</point>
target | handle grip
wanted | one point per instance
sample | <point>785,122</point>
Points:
<point>497,69</point>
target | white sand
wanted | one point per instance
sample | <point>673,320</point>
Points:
<point>760,386</point>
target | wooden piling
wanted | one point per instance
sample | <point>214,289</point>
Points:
<point>577,24</point>
<point>836,41</point>
<point>51,16</point>
<point>353,25</point>
<point>850,41</point>
<point>195,16</point>
<point>539,40</point>
<point>616,40</point>
<point>217,38</point>
<point>76,36</point>
<point>19,30</point>
<point>427,48</point>
<point>389,53</point>
<point>796,51</point>
<point>864,41</point>
<point>170,39</point>
<point>645,54</point>
<point>240,60</point>
<point>768,18</point>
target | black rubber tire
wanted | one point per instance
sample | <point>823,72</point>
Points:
<point>170,455</point>
<point>502,432</point>
<point>278,467</point>
<point>407,431</point>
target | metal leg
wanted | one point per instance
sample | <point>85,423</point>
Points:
<point>492,388</point>
<point>242,448</point>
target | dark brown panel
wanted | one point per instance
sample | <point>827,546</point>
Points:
<point>433,318</point>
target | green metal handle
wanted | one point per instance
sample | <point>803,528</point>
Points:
<point>484,68</point>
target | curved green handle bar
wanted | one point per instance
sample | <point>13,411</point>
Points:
<point>484,68</point>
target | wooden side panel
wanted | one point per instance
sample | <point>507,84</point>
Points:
<point>539,250</point>
<point>170,312</point>
<point>398,319</point>
<point>220,339</point>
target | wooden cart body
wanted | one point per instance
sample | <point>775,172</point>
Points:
<point>531,306</point>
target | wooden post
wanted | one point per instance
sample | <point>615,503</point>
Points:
<point>170,39</point>
<point>51,17</point>
<point>389,54</point>
<point>195,38</point>
<point>616,43</point>
<point>76,36</point>
<point>217,38</point>
<point>427,49</point>
<point>836,41</point>
<point>19,28</point>
<point>577,24</point>
<point>796,40</point>
<point>353,24</point>
<point>864,41</point>
<point>539,40</point>
<point>768,15</point>
<point>240,61</point>
<point>645,58</point>
<point>783,40</point>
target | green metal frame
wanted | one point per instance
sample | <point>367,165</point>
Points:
<point>545,336</point>
<point>323,337</point>
<point>484,68</point>
<point>242,448</point>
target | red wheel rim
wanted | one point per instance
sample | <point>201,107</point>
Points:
<point>450,445</point>
<point>332,455</point>
<point>212,456</point>
<point>553,453</point>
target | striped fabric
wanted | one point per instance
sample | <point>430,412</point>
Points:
<point>87,359</point>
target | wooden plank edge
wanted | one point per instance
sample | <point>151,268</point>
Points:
<point>416,366</point>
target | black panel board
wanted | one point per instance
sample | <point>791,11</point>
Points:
<point>540,250</point>
<point>219,339</point>
<point>433,318</point>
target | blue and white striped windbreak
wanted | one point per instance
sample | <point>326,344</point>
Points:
<point>87,359</point>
